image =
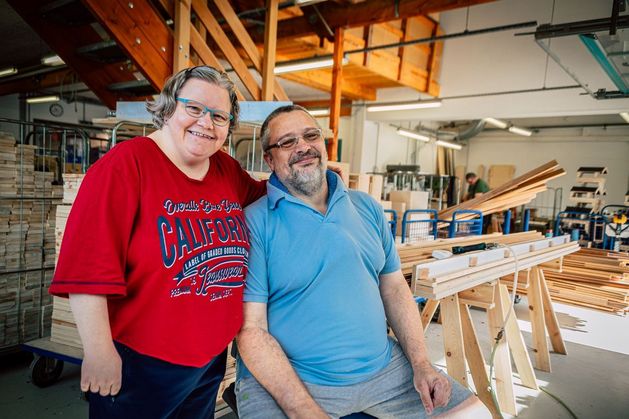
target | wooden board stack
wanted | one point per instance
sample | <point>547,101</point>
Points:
<point>437,279</point>
<point>63,325</point>
<point>27,222</point>
<point>592,278</point>
<point>519,191</point>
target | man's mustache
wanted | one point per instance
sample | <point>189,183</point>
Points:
<point>304,155</point>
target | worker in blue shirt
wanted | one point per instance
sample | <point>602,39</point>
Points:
<point>324,278</point>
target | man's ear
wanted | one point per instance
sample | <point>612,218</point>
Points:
<point>269,160</point>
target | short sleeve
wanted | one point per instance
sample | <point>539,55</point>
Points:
<point>93,252</point>
<point>392,259</point>
<point>249,190</point>
<point>257,283</point>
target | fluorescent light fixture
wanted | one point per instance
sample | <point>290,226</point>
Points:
<point>496,123</point>
<point>52,60</point>
<point>447,144</point>
<point>625,116</point>
<point>521,131</point>
<point>43,99</point>
<point>306,2</point>
<point>411,134</point>
<point>307,64</point>
<point>404,106</point>
<point>8,71</point>
<point>319,112</point>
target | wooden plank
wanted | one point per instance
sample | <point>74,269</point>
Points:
<point>367,13</point>
<point>141,33</point>
<point>335,94</point>
<point>247,43</point>
<point>428,312</point>
<point>550,318</point>
<point>502,360</point>
<point>270,40</point>
<point>480,296</point>
<point>453,339</point>
<point>516,342</point>
<point>206,55</point>
<point>230,52</point>
<point>476,362</point>
<point>322,80</point>
<point>536,312</point>
<point>181,51</point>
<point>547,169</point>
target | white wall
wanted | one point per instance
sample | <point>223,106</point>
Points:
<point>571,148</point>
<point>381,146</point>
<point>501,62</point>
<point>72,112</point>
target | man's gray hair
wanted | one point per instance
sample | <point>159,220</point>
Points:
<point>265,135</point>
<point>164,106</point>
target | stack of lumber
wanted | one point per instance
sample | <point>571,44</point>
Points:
<point>519,191</point>
<point>27,222</point>
<point>368,183</point>
<point>592,278</point>
<point>442,278</point>
<point>64,328</point>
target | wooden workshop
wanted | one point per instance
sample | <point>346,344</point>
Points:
<point>490,136</point>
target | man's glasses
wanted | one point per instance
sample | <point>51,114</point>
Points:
<point>198,110</point>
<point>286,143</point>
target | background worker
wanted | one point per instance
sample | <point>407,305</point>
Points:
<point>324,280</point>
<point>476,186</point>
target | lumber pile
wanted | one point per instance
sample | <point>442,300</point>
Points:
<point>516,192</point>
<point>27,221</point>
<point>64,328</point>
<point>592,278</point>
<point>437,279</point>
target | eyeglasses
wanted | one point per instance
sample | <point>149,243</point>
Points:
<point>198,110</point>
<point>286,143</point>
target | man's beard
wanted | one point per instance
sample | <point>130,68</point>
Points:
<point>307,180</point>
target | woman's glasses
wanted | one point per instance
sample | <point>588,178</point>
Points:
<point>198,110</point>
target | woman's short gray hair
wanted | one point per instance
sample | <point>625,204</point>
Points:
<point>164,106</point>
<point>265,132</point>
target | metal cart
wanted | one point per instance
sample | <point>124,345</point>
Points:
<point>50,357</point>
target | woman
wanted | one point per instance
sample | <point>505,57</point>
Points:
<point>154,256</point>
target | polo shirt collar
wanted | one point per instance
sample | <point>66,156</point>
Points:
<point>276,190</point>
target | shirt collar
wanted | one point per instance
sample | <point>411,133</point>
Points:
<point>277,191</point>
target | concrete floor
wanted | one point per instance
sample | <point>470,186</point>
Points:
<point>593,379</point>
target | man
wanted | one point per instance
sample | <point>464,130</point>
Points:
<point>324,277</point>
<point>477,186</point>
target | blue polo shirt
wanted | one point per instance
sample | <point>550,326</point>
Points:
<point>319,276</point>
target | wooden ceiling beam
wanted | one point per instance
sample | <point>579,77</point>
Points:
<point>40,82</point>
<point>65,40</point>
<point>322,80</point>
<point>230,52</point>
<point>247,43</point>
<point>270,40</point>
<point>363,14</point>
<point>335,99</point>
<point>141,33</point>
